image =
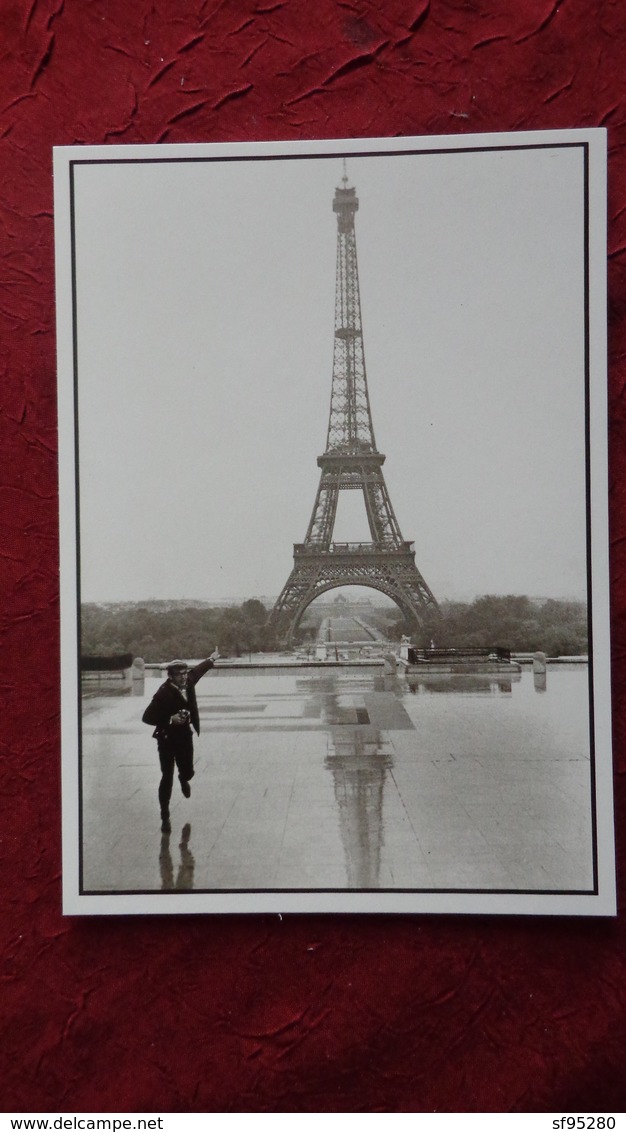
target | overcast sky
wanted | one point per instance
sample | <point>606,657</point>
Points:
<point>205,331</point>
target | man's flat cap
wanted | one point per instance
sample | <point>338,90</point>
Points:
<point>177,665</point>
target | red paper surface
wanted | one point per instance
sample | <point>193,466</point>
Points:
<point>304,1013</point>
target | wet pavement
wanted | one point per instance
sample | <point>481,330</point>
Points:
<point>343,778</point>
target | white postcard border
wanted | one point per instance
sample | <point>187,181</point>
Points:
<point>74,902</point>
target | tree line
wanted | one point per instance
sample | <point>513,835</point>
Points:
<point>558,628</point>
<point>159,631</point>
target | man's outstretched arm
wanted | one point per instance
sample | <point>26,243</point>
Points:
<point>197,672</point>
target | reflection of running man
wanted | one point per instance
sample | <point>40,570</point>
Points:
<point>173,712</point>
<point>184,877</point>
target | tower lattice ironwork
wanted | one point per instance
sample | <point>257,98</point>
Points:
<point>351,462</point>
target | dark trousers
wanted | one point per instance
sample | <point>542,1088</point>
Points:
<point>174,751</point>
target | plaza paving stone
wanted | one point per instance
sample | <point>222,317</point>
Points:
<point>343,778</point>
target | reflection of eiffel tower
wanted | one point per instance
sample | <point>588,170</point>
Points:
<point>351,462</point>
<point>358,759</point>
<point>359,765</point>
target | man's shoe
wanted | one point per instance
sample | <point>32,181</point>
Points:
<point>166,826</point>
<point>185,787</point>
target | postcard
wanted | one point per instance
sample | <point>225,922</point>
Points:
<point>333,505</point>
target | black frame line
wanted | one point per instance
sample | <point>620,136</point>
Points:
<point>79,706</point>
<point>351,154</point>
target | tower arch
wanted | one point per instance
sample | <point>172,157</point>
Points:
<point>294,624</point>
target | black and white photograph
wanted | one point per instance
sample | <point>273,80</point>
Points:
<point>334,549</point>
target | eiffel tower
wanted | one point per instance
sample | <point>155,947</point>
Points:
<point>351,462</point>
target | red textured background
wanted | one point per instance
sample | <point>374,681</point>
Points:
<point>262,1014</point>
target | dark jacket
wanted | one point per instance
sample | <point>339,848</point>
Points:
<point>168,699</point>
